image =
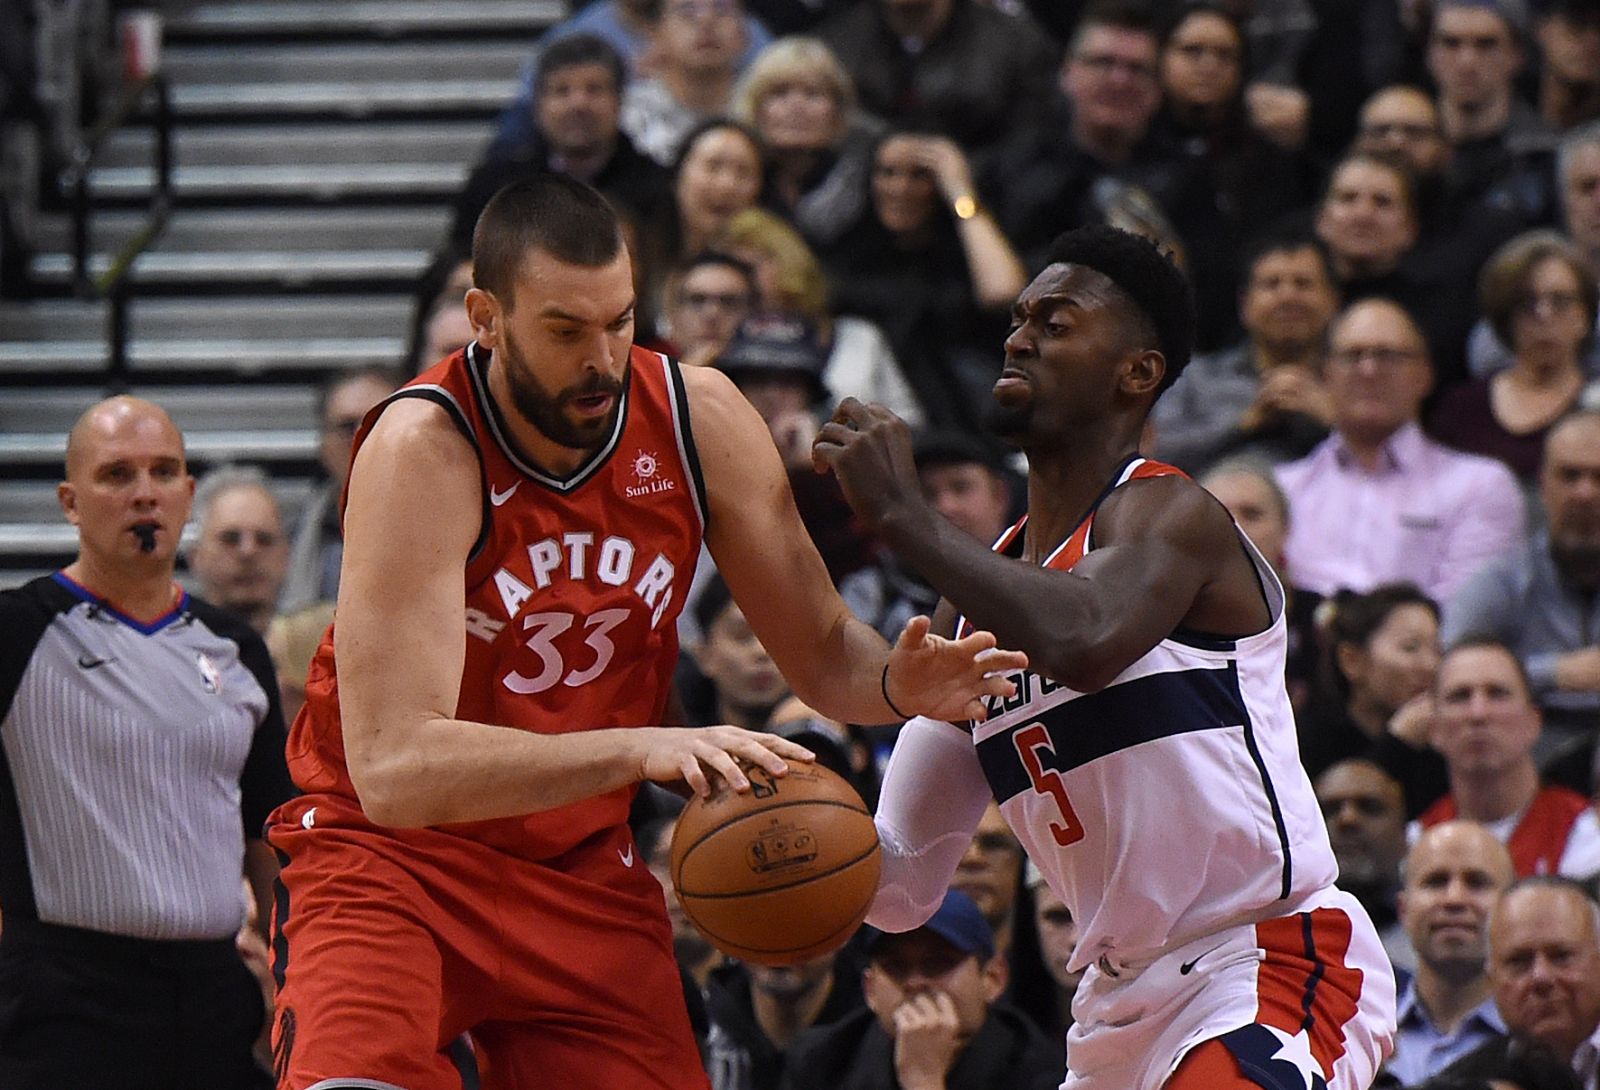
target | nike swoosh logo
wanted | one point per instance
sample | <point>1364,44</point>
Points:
<point>89,662</point>
<point>626,855</point>
<point>497,498</point>
<point>1188,967</point>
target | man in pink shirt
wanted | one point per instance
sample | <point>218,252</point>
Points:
<point>1378,501</point>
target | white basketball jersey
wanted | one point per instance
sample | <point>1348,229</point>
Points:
<point>1172,803</point>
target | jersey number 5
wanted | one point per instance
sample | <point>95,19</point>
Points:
<point>1030,740</point>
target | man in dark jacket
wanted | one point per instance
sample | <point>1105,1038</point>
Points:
<point>932,1022</point>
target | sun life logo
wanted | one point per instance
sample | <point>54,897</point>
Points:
<point>646,470</point>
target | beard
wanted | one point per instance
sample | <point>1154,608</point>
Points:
<point>546,411</point>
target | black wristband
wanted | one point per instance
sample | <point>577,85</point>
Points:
<point>884,685</point>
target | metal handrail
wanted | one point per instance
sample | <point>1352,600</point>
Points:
<point>113,284</point>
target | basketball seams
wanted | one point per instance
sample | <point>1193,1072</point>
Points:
<point>807,880</point>
<point>826,942</point>
<point>707,834</point>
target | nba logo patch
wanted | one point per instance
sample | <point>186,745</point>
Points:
<point>210,676</point>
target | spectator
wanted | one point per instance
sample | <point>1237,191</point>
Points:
<point>928,264</point>
<point>1454,873</point>
<point>241,553</point>
<point>1580,188</point>
<point>627,26</point>
<point>801,101</point>
<point>445,329</point>
<point>757,1011</point>
<point>1254,180</point>
<point>318,546</point>
<point>1503,148</point>
<point>144,749</point>
<point>1058,941</point>
<point>1569,68</point>
<point>1092,157</point>
<point>1366,815</point>
<point>990,873</point>
<point>965,481</point>
<point>1544,963</point>
<point>695,51</point>
<point>744,679</point>
<point>1252,496</point>
<point>958,67</point>
<point>292,640</point>
<point>707,297</point>
<point>1264,396</point>
<point>1378,501</point>
<point>1485,727</point>
<point>1541,299</point>
<point>860,362</point>
<point>1541,600</point>
<point>696,957</point>
<point>720,171</point>
<point>932,1017</point>
<point>575,129</point>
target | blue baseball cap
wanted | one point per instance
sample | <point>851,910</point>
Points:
<point>957,921</point>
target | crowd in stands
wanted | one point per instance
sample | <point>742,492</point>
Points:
<point>1390,211</point>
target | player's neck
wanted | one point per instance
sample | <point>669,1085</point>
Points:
<point>1061,489</point>
<point>142,596</point>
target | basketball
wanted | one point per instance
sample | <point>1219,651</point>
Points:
<point>782,873</point>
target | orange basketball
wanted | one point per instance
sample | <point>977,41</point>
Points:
<point>782,873</point>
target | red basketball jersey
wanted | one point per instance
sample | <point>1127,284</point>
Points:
<point>573,589</point>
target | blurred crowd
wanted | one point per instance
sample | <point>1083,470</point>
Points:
<point>1390,211</point>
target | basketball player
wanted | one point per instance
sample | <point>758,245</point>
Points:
<point>522,523</point>
<point>1148,760</point>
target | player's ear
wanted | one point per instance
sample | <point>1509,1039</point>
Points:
<point>1144,372</point>
<point>483,311</point>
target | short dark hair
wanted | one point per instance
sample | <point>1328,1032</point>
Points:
<point>1354,618</point>
<point>549,212</point>
<point>571,50</point>
<point>1506,278</point>
<point>1285,239</point>
<point>709,605</point>
<point>1484,642</point>
<point>1153,283</point>
<point>719,259</point>
<point>1135,15</point>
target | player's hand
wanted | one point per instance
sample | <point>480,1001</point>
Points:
<point>698,756</point>
<point>868,448</point>
<point>927,1037</point>
<point>948,679</point>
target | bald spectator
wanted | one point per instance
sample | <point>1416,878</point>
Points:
<point>1504,150</point>
<point>241,554</point>
<point>1378,501</point>
<point>1543,601</point>
<point>1485,725</point>
<point>317,548</point>
<point>1366,814</point>
<point>1544,964</point>
<point>1454,873</point>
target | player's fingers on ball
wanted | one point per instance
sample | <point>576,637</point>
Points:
<point>695,777</point>
<point>762,753</point>
<point>723,764</point>
<point>785,748</point>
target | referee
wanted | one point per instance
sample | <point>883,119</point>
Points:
<point>141,747</point>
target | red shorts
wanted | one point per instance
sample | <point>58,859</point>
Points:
<point>389,944</point>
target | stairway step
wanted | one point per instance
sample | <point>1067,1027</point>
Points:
<point>191,68</point>
<point>292,144</point>
<point>300,19</point>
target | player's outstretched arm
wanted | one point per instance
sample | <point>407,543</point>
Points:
<point>833,662</point>
<point>414,511</point>
<point>1160,546</point>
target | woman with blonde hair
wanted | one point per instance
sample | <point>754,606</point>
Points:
<point>801,100</point>
<point>790,280</point>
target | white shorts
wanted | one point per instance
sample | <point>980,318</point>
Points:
<point>1318,980</point>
